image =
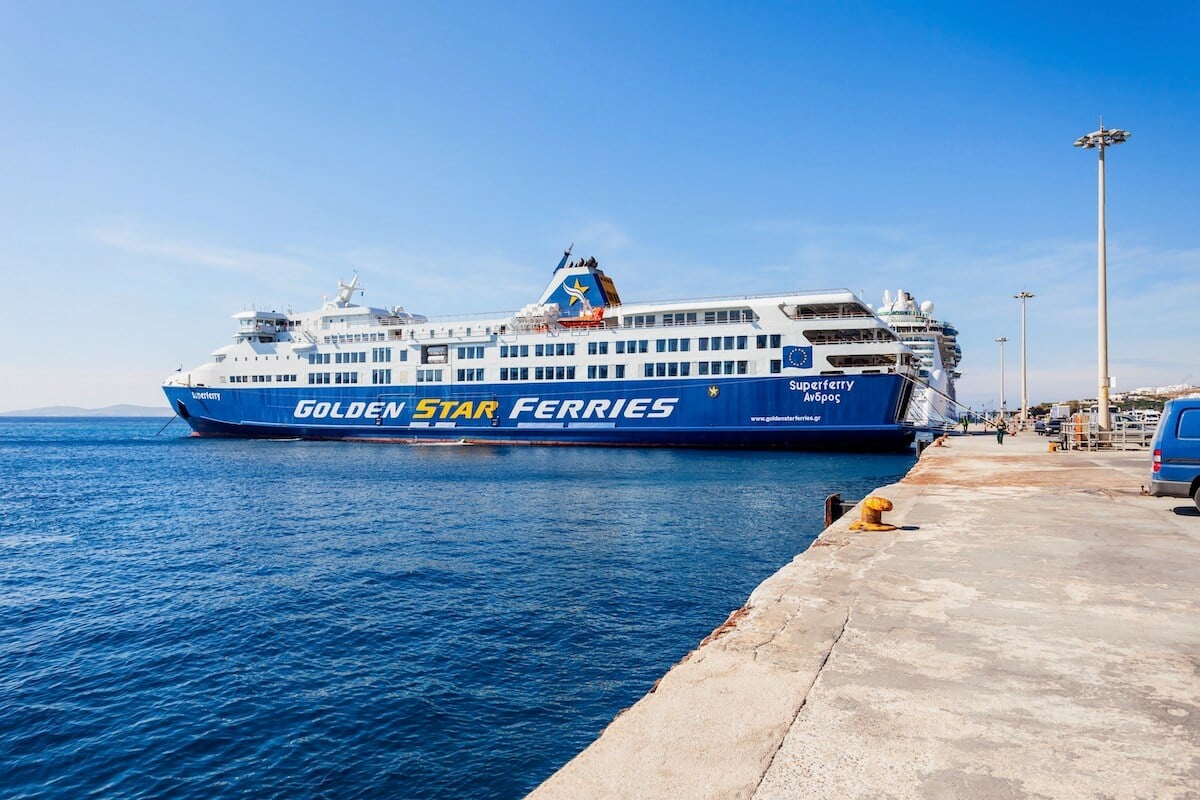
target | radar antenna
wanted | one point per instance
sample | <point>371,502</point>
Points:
<point>347,290</point>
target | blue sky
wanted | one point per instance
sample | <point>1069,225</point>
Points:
<point>168,164</point>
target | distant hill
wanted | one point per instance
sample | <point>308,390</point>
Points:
<point>107,411</point>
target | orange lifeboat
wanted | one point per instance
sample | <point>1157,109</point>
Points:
<point>588,319</point>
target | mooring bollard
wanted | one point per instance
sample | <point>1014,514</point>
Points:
<point>872,515</point>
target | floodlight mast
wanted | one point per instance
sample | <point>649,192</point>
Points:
<point>1003,400</point>
<point>1101,140</point>
<point>1023,296</point>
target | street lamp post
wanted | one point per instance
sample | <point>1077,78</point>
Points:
<point>1003,403</point>
<point>1101,140</point>
<point>1023,296</point>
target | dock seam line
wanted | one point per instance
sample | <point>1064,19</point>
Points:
<point>804,701</point>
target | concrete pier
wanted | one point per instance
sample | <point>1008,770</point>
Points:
<point>1032,630</point>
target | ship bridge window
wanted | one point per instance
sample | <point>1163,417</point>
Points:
<point>869,360</point>
<point>848,335</point>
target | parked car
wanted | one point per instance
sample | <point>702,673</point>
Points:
<point>1129,430</point>
<point>1175,467</point>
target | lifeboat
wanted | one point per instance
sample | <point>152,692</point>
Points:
<point>588,319</point>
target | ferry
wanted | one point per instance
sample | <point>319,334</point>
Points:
<point>934,404</point>
<point>801,370</point>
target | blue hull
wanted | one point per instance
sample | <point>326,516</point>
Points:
<point>845,412</point>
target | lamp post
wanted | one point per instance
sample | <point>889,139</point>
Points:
<point>1023,296</point>
<point>1101,140</point>
<point>1003,404</point>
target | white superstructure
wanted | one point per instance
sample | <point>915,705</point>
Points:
<point>935,343</point>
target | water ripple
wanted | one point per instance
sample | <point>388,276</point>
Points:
<point>196,618</point>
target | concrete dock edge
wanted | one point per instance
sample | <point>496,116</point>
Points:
<point>1031,630</point>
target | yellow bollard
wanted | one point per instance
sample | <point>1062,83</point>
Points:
<point>1054,447</point>
<point>872,515</point>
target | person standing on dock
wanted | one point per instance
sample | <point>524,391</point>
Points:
<point>1001,429</point>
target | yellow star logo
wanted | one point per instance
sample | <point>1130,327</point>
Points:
<point>714,391</point>
<point>576,292</point>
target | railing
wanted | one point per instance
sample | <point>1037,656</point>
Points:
<point>1082,435</point>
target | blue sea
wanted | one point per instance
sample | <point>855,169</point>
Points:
<point>198,618</point>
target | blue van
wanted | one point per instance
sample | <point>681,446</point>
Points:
<point>1175,471</point>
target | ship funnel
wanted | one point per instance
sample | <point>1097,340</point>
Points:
<point>580,286</point>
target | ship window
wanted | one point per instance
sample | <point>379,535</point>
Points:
<point>603,371</point>
<point>570,373</point>
<point>742,342</point>
<point>728,342</point>
<point>660,345</point>
<point>760,342</point>
<point>702,343</point>
<point>539,373</point>
<point>539,350</point>
<point>776,366</point>
<point>560,373</point>
<point>644,346</point>
<point>702,368</point>
<point>561,350</point>
<point>429,375</point>
<point>673,369</point>
<point>776,340</point>
<point>591,370</point>
<point>619,371</point>
<point>743,367</point>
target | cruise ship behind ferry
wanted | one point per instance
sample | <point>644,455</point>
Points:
<point>805,370</point>
<point>934,342</point>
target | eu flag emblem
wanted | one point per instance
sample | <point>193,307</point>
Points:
<point>800,357</point>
